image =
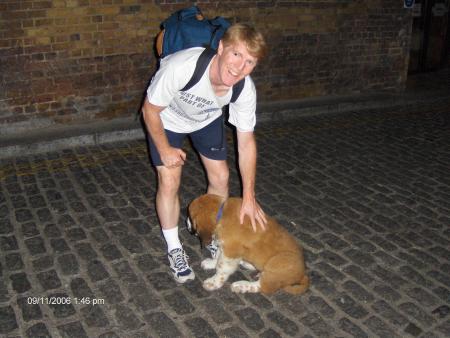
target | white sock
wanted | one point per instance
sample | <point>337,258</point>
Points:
<point>172,239</point>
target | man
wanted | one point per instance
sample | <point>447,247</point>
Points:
<point>171,114</point>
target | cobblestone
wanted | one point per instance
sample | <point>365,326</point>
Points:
<point>29,311</point>
<point>38,330</point>
<point>366,194</point>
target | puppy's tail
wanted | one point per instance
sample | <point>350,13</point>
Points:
<point>298,289</point>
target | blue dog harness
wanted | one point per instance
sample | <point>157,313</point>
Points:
<point>220,213</point>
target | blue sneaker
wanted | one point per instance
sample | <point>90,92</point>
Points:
<point>179,265</point>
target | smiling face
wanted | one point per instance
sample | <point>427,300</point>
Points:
<point>234,63</point>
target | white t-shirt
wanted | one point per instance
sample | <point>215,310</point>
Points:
<point>191,110</point>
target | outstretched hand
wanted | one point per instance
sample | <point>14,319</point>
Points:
<point>252,209</point>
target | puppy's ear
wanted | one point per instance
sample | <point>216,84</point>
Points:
<point>204,226</point>
<point>203,211</point>
<point>195,220</point>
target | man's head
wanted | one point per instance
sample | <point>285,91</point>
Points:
<point>239,51</point>
<point>249,36</point>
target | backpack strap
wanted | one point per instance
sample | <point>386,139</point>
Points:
<point>237,89</point>
<point>200,68</point>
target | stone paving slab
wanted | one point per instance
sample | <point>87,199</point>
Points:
<point>367,195</point>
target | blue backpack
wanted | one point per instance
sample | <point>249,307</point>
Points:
<point>188,28</point>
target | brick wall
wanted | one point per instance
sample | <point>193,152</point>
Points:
<point>71,61</point>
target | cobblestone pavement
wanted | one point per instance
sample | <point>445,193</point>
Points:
<point>367,195</point>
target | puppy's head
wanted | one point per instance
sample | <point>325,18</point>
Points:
<point>202,216</point>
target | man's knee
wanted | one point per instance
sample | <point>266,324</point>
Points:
<point>219,178</point>
<point>169,180</point>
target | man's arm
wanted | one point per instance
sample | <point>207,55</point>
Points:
<point>247,168</point>
<point>170,157</point>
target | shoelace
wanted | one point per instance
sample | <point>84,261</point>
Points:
<point>180,259</point>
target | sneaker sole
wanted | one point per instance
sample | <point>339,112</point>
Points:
<point>183,279</point>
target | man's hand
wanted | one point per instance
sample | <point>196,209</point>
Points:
<point>252,209</point>
<point>173,157</point>
<point>170,157</point>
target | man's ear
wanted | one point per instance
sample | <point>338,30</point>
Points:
<point>220,48</point>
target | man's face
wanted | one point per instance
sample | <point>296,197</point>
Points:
<point>235,63</point>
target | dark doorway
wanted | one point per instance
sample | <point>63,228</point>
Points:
<point>430,35</point>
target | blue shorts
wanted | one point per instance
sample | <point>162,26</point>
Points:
<point>210,141</point>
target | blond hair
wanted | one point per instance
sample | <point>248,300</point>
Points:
<point>253,39</point>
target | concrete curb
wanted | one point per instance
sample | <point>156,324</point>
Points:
<point>62,137</point>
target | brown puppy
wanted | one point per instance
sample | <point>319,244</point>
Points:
<point>273,252</point>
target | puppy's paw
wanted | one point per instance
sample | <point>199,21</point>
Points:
<point>209,264</point>
<point>213,283</point>
<point>244,286</point>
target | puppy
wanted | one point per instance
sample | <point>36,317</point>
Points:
<point>273,252</point>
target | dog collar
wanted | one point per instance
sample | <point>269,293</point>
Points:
<point>220,212</point>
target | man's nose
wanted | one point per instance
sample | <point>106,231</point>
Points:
<point>240,65</point>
